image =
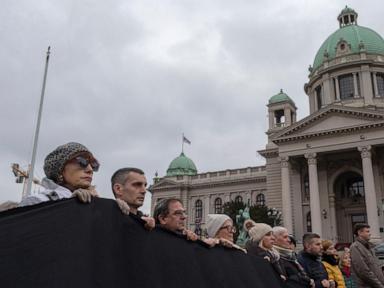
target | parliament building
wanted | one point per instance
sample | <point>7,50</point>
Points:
<point>323,172</point>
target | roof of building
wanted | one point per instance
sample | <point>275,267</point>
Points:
<point>280,97</point>
<point>358,37</point>
<point>181,165</point>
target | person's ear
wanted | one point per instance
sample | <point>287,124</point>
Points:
<point>118,189</point>
<point>162,219</point>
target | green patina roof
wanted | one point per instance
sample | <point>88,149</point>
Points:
<point>181,165</point>
<point>281,97</point>
<point>347,10</point>
<point>353,35</point>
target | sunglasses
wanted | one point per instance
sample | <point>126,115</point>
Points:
<point>83,162</point>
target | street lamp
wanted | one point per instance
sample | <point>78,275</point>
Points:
<point>274,214</point>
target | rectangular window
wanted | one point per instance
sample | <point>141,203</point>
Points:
<point>380,84</point>
<point>346,86</point>
<point>319,97</point>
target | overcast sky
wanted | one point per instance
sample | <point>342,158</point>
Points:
<point>127,78</point>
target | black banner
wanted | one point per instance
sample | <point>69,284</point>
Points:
<point>70,244</point>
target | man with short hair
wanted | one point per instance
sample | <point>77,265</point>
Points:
<point>364,263</point>
<point>129,187</point>
<point>170,214</point>
<point>293,271</point>
<point>310,260</point>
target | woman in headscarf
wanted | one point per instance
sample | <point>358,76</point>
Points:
<point>69,172</point>
<point>261,241</point>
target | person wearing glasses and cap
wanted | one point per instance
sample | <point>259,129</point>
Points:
<point>69,173</point>
<point>220,228</point>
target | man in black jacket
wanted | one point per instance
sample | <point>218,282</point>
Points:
<point>295,274</point>
<point>310,260</point>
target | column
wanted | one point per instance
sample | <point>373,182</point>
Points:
<point>337,89</point>
<point>206,206</point>
<point>286,194</point>
<point>287,116</point>
<point>355,89</point>
<point>370,193</point>
<point>271,117</point>
<point>314,193</point>
<point>332,212</point>
<point>375,89</point>
<point>184,199</point>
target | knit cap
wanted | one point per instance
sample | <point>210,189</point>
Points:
<point>215,222</point>
<point>258,231</point>
<point>55,161</point>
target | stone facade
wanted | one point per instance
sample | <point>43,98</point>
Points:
<point>324,172</point>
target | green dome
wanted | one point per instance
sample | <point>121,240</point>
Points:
<point>281,97</point>
<point>358,37</point>
<point>181,165</point>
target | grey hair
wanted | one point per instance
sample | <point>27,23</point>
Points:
<point>278,230</point>
<point>162,208</point>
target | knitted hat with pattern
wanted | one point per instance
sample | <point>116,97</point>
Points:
<point>55,161</point>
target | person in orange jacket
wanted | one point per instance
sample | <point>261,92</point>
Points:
<point>330,261</point>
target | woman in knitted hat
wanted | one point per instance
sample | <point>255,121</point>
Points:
<point>220,226</point>
<point>69,172</point>
<point>220,230</point>
<point>260,244</point>
<point>330,261</point>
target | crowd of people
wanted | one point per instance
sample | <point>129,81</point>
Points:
<point>69,172</point>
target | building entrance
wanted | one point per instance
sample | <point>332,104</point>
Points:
<point>350,204</point>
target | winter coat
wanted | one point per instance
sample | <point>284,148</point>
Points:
<point>271,256</point>
<point>365,265</point>
<point>314,268</point>
<point>348,278</point>
<point>295,274</point>
<point>333,270</point>
<point>51,192</point>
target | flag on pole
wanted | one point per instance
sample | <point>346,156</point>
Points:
<point>185,140</point>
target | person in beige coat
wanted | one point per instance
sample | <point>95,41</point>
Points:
<point>365,265</point>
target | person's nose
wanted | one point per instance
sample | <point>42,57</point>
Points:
<point>89,169</point>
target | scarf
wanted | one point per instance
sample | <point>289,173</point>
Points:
<point>331,259</point>
<point>346,271</point>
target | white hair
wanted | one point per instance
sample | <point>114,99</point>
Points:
<point>278,230</point>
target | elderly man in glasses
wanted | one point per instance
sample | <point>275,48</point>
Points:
<point>170,214</point>
<point>69,172</point>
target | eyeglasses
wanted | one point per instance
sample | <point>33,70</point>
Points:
<point>180,213</point>
<point>229,228</point>
<point>83,162</point>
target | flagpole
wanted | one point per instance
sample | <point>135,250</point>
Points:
<point>36,138</point>
<point>182,143</point>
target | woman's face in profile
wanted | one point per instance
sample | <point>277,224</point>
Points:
<point>78,172</point>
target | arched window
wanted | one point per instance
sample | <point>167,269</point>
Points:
<point>355,188</point>
<point>260,200</point>
<point>198,209</point>
<point>218,205</point>
<point>238,199</point>
<point>309,222</point>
